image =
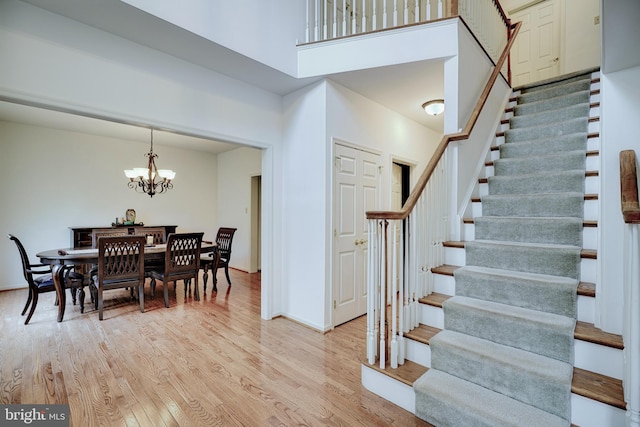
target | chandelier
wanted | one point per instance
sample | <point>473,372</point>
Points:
<point>150,180</point>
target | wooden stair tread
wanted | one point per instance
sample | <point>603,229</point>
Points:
<point>422,333</point>
<point>434,299</point>
<point>585,223</point>
<point>407,373</point>
<point>598,387</point>
<point>586,289</point>
<point>585,383</point>
<point>588,332</point>
<point>584,253</point>
<point>486,180</point>
<point>589,135</point>
<point>586,197</point>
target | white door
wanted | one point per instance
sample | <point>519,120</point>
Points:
<point>356,190</point>
<point>536,52</point>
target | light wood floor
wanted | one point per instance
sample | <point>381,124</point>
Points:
<point>209,363</point>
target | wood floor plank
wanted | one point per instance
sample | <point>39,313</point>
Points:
<point>212,362</point>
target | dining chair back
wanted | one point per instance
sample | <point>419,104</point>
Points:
<point>159,233</point>
<point>220,258</point>
<point>120,265</point>
<point>181,262</point>
<point>106,232</point>
<point>39,279</point>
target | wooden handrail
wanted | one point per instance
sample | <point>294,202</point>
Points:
<point>629,187</point>
<point>437,155</point>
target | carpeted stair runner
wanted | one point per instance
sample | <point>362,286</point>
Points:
<point>505,356</point>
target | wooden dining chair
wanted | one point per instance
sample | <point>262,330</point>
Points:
<point>40,280</point>
<point>159,234</point>
<point>181,262</point>
<point>219,258</point>
<point>120,265</point>
<point>108,232</point>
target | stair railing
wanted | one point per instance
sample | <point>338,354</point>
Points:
<point>631,285</point>
<point>399,274</point>
<point>331,19</point>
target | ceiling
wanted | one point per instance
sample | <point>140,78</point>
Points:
<point>401,88</point>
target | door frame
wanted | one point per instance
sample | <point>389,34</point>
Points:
<point>332,213</point>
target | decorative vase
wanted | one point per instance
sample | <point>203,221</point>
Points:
<point>130,216</point>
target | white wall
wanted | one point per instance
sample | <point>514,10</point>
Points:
<point>58,179</point>
<point>256,28</point>
<point>304,214</point>
<point>235,170</point>
<point>58,62</point>
<point>315,116</point>
<point>580,36</point>
<point>619,111</point>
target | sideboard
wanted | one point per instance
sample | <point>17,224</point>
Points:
<point>81,236</point>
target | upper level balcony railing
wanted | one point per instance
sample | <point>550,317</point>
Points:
<point>332,19</point>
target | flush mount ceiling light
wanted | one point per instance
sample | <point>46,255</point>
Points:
<point>434,107</point>
<point>150,180</point>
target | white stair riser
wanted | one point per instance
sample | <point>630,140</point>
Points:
<point>417,352</point>
<point>444,284</point>
<point>590,413</point>
<point>599,358</point>
<point>431,316</point>
<point>454,256</point>
<point>389,388</point>
<point>586,309</point>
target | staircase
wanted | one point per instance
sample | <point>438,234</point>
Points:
<point>508,336</point>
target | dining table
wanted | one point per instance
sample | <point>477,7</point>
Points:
<point>63,257</point>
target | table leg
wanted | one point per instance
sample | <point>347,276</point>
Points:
<point>57,271</point>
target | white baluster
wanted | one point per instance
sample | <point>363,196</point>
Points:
<point>440,9</point>
<point>316,19</point>
<point>401,294</point>
<point>371,292</point>
<point>394,299</point>
<point>335,20</point>
<point>428,11</point>
<point>383,293</point>
<point>325,30</point>
<point>374,17</point>
<point>395,13</point>
<point>406,12</point>
<point>354,19</point>
<point>307,32</point>
<point>417,10</point>
<point>344,17</point>
<point>384,14</point>
<point>364,16</point>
